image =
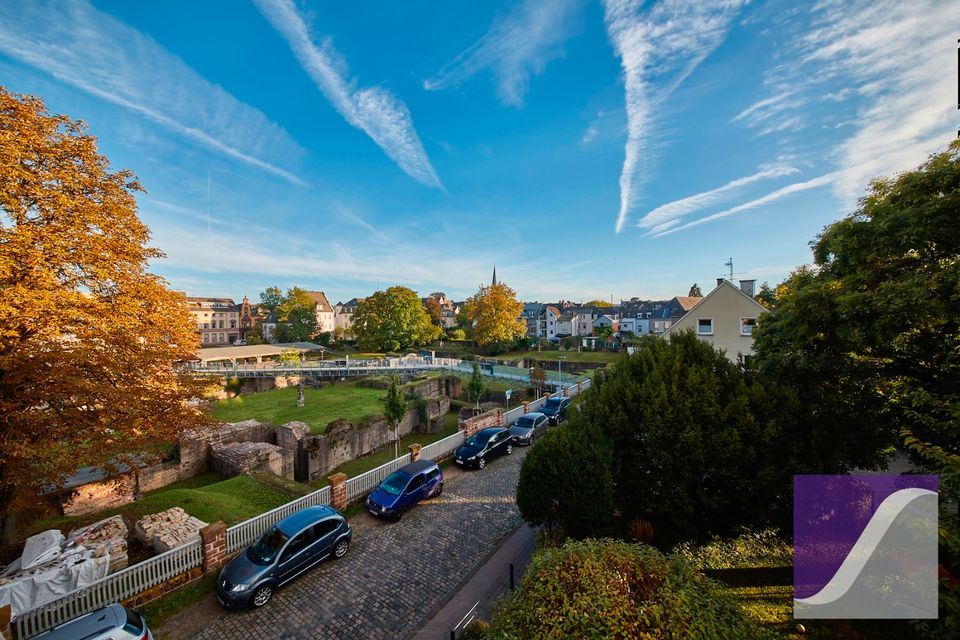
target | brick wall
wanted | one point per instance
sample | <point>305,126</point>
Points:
<point>492,418</point>
<point>94,496</point>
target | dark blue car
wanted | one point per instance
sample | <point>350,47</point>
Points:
<point>404,488</point>
<point>287,549</point>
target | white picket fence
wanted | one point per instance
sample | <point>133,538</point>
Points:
<point>115,587</point>
<point>441,448</point>
<point>242,534</point>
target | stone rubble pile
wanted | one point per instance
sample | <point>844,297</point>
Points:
<point>109,535</point>
<point>168,529</point>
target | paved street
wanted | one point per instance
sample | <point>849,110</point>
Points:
<point>396,575</point>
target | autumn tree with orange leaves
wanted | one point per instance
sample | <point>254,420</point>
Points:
<point>493,314</point>
<point>88,338</point>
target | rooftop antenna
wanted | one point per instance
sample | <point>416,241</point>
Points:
<point>729,263</point>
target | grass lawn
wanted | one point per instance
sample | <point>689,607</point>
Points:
<point>757,570</point>
<point>385,455</point>
<point>321,406</point>
<point>208,497</point>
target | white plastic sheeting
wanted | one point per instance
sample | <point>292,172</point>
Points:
<point>36,582</point>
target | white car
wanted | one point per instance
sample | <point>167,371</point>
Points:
<point>114,622</point>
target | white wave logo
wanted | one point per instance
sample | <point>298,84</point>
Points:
<point>865,547</point>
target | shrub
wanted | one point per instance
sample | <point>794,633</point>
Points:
<point>609,589</point>
<point>565,480</point>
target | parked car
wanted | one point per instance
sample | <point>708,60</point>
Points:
<point>287,549</point>
<point>484,445</point>
<point>556,409</point>
<point>527,427</point>
<point>404,488</point>
<point>114,622</point>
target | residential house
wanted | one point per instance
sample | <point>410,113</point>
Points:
<point>343,315</point>
<point>448,309</point>
<point>605,322</point>
<point>531,316</point>
<point>269,327</point>
<point>249,315</point>
<point>547,322</point>
<point>217,320</point>
<point>565,324</point>
<point>725,318</point>
<point>326,318</point>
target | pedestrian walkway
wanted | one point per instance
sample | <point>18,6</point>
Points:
<point>481,590</point>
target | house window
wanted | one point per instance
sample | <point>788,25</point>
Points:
<point>747,325</point>
<point>705,326</point>
<point>233,324</point>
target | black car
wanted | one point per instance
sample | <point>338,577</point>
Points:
<point>527,427</point>
<point>286,550</point>
<point>483,445</point>
<point>556,409</point>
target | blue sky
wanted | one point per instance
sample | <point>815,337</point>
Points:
<point>587,149</point>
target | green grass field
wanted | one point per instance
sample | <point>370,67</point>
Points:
<point>346,401</point>
<point>207,496</point>
<point>599,357</point>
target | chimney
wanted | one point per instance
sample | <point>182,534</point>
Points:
<point>720,281</point>
<point>747,286</point>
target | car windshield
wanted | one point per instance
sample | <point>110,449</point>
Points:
<point>395,483</point>
<point>477,440</point>
<point>264,550</point>
<point>552,404</point>
<point>524,423</point>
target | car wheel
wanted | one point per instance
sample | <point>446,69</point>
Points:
<point>481,463</point>
<point>399,514</point>
<point>262,595</point>
<point>341,548</point>
<point>439,490</point>
<point>510,447</point>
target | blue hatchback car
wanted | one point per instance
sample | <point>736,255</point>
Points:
<point>287,549</point>
<point>404,488</point>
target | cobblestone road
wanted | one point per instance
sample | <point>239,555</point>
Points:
<point>394,575</point>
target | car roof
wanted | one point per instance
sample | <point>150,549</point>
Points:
<point>94,624</point>
<point>489,431</point>
<point>303,518</point>
<point>533,415</point>
<point>417,467</point>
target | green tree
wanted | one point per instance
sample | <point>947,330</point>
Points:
<point>695,291</point>
<point>88,337</point>
<point>392,320</point>
<point>493,316</point>
<point>598,303</point>
<point>552,489</point>
<point>296,317</point>
<point>394,409</point>
<point>456,333</point>
<point>766,296</point>
<point>476,385</point>
<point>254,335</point>
<point>871,337</point>
<point>271,299</point>
<point>697,448</point>
<point>538,378</point>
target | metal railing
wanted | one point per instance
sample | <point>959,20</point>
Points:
<point>242,534</point>
<point>115,587</point>
<point>441,448</point>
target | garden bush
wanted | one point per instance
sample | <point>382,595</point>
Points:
<point>609,589</point>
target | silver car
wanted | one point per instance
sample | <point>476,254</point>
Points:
<point>527,427</point>
<point>113,622</point>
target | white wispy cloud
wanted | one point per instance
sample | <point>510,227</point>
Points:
<point>82,47</point>
<point>373,110</point>
<point>899,56</point>
<point>658,50</point>
<point>517,46</point>
<point>590,134</point>
<point>668,215</point>
<point>783,192</point>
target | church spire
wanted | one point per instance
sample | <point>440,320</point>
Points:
<point>494,275</point>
